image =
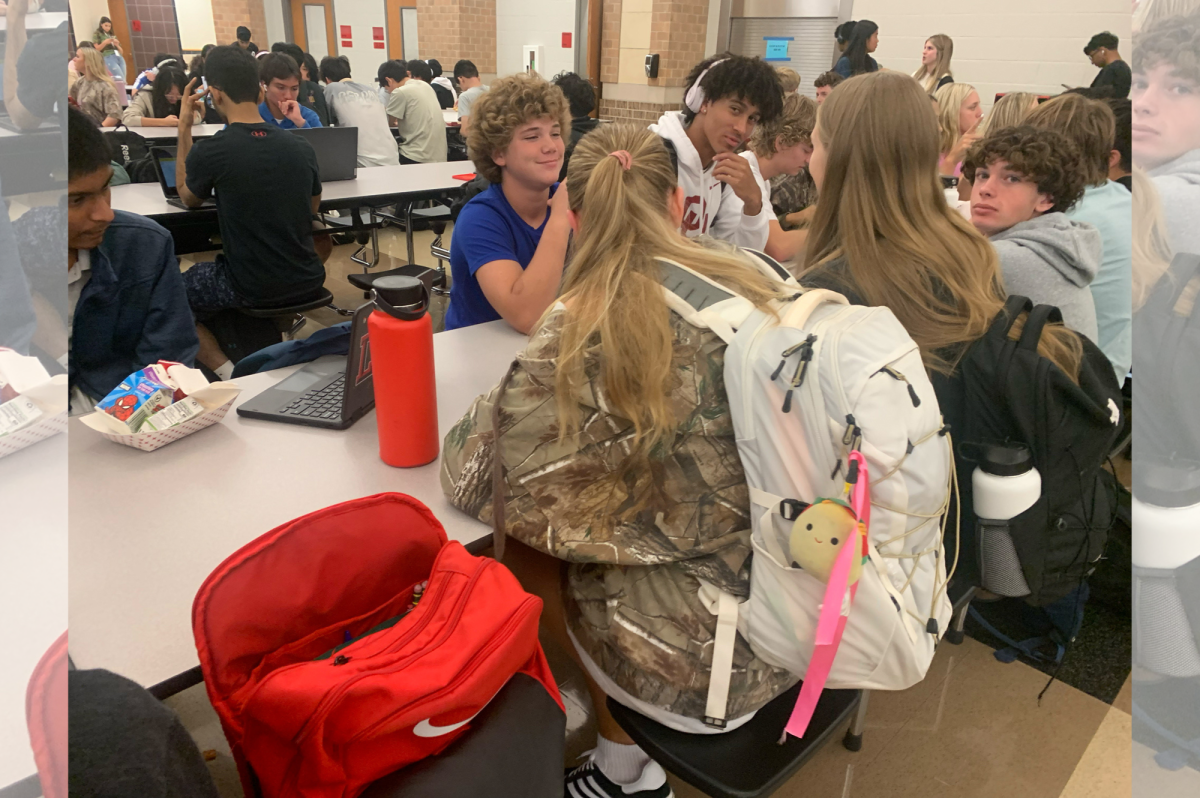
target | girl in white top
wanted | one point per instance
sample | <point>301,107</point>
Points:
<point>934,71</point>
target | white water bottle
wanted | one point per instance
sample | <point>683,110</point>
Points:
<point>1004,485</point>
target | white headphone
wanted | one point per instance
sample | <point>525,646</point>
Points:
<point>695,95</point>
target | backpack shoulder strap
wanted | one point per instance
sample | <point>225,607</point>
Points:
<point>798,312</point>
<point>1014,306</point>
<point>1038,318</point>
<point>771,267</point>
<point>702,301</point>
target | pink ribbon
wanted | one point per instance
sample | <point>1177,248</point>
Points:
<point>832,623</point>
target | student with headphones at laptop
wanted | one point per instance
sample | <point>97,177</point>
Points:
<point>269,186</point>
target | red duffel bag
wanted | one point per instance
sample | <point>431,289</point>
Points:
<point>355,640</point>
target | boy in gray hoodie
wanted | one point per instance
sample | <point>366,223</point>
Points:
<point>1166,121</point>
<point>1023,179</point>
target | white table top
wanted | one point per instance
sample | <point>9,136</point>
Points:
<point>170,132</point>
<point>33,585</point>
<point>380,185</point>
<point>148,527</point>
<point>41,20</point>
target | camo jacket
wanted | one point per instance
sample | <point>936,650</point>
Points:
<point>792,193</point>
<point>632,598</point>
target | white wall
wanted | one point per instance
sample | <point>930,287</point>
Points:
<point>276,32</point>
<point>1011,45</point>
<point>85,16</point>
<point>196,27</point>
<point>521,22</point>
<point>361,16</point>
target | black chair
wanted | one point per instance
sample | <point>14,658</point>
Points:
<point>748,762</point>
<point>514,750</point>
<point>294,311</point>
<point>433,218</point>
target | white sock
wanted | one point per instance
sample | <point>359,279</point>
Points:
<point>225,370</point>
<point>624,764</point>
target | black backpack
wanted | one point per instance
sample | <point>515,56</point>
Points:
<point>132,151</point>
<point>1167,333</point>
<point>1014,395</point>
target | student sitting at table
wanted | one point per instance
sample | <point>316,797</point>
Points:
<point>280,76</point>
<point>125,295</point>
<point>1023,181</point>
<point>1106,206</point>
<point>435,66</point>
<point>506,259</point>
<point>726,97</point>
<point>470,88</point>
<point>159,107</point>
<point>268,188</point>
<point>94,92</point>
<point>612,436</point>
<point>414,106</point>
<point>355,105</point>
<point>582,98</point>
<point>146,79</point>
<point>311,94</point>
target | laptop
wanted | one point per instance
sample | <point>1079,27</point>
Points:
<point>336,148</point>
<point>164,167</point>
<point>330,392</point>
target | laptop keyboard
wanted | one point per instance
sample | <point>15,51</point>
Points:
<point>322,403</point>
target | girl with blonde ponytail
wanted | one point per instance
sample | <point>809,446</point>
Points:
<point>619,464</point>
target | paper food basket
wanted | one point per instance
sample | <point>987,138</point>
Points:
<point>51,399</point>
<point>217,398</point>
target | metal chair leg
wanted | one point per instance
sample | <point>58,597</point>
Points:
<point>374,261</point>
<point>408,233</point>
<point>954,635</point>
<point>854,735</point>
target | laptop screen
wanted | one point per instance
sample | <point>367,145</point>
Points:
<point>168,171</point>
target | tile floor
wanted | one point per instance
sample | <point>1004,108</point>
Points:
<point>972,729</point>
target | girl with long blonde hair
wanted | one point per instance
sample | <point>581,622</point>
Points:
<point>884,232</point>
<point>1151,248</point>
<point>934,71</point>
<point>618,463</point>
<point>94,91</point>
<point>959,113</point>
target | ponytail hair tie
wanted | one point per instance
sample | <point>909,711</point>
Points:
<point>624,158</point>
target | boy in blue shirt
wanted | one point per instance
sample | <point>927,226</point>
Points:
<point>510,241</point>
<point>280,77</point>
<point>1108,207</point>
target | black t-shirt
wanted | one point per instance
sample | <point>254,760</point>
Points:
<point>264,179</point>
<point>1118,75</point>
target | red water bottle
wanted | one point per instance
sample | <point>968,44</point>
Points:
<point>401,339</point>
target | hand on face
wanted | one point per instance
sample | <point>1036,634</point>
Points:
<point>734,170</point>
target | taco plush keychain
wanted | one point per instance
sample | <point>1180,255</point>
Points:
<point>819,534</point>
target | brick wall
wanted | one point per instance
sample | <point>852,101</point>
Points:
<point>678,31</point>
<point>450,30</point>
<point>610,41</point>
<point>229,14</point>
<point>639,113</point>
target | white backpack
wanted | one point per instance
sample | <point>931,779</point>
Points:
<point>826,378</point>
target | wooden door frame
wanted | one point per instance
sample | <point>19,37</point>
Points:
<point>120,23</point>
<point>300,30</point>
<point>393,19</point>
<point>595,40</point>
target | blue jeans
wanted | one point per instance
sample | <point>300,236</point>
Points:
<point>115,64</point>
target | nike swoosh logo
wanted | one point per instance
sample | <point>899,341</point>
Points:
<point>427,729</point>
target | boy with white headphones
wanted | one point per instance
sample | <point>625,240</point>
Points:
<point>727,96</point>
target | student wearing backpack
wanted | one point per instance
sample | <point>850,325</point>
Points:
<point>875,146</point>
<point>607,462</point>
<point>726,97</point>
<point>1023,180</point>
<point>159,107</point>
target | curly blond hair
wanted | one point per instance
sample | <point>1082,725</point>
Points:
<point>511,102</point>
<point>793,126</point>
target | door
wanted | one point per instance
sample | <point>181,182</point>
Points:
<point>312,27</point>
<point>402,30</point>
<point>120,22</point>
